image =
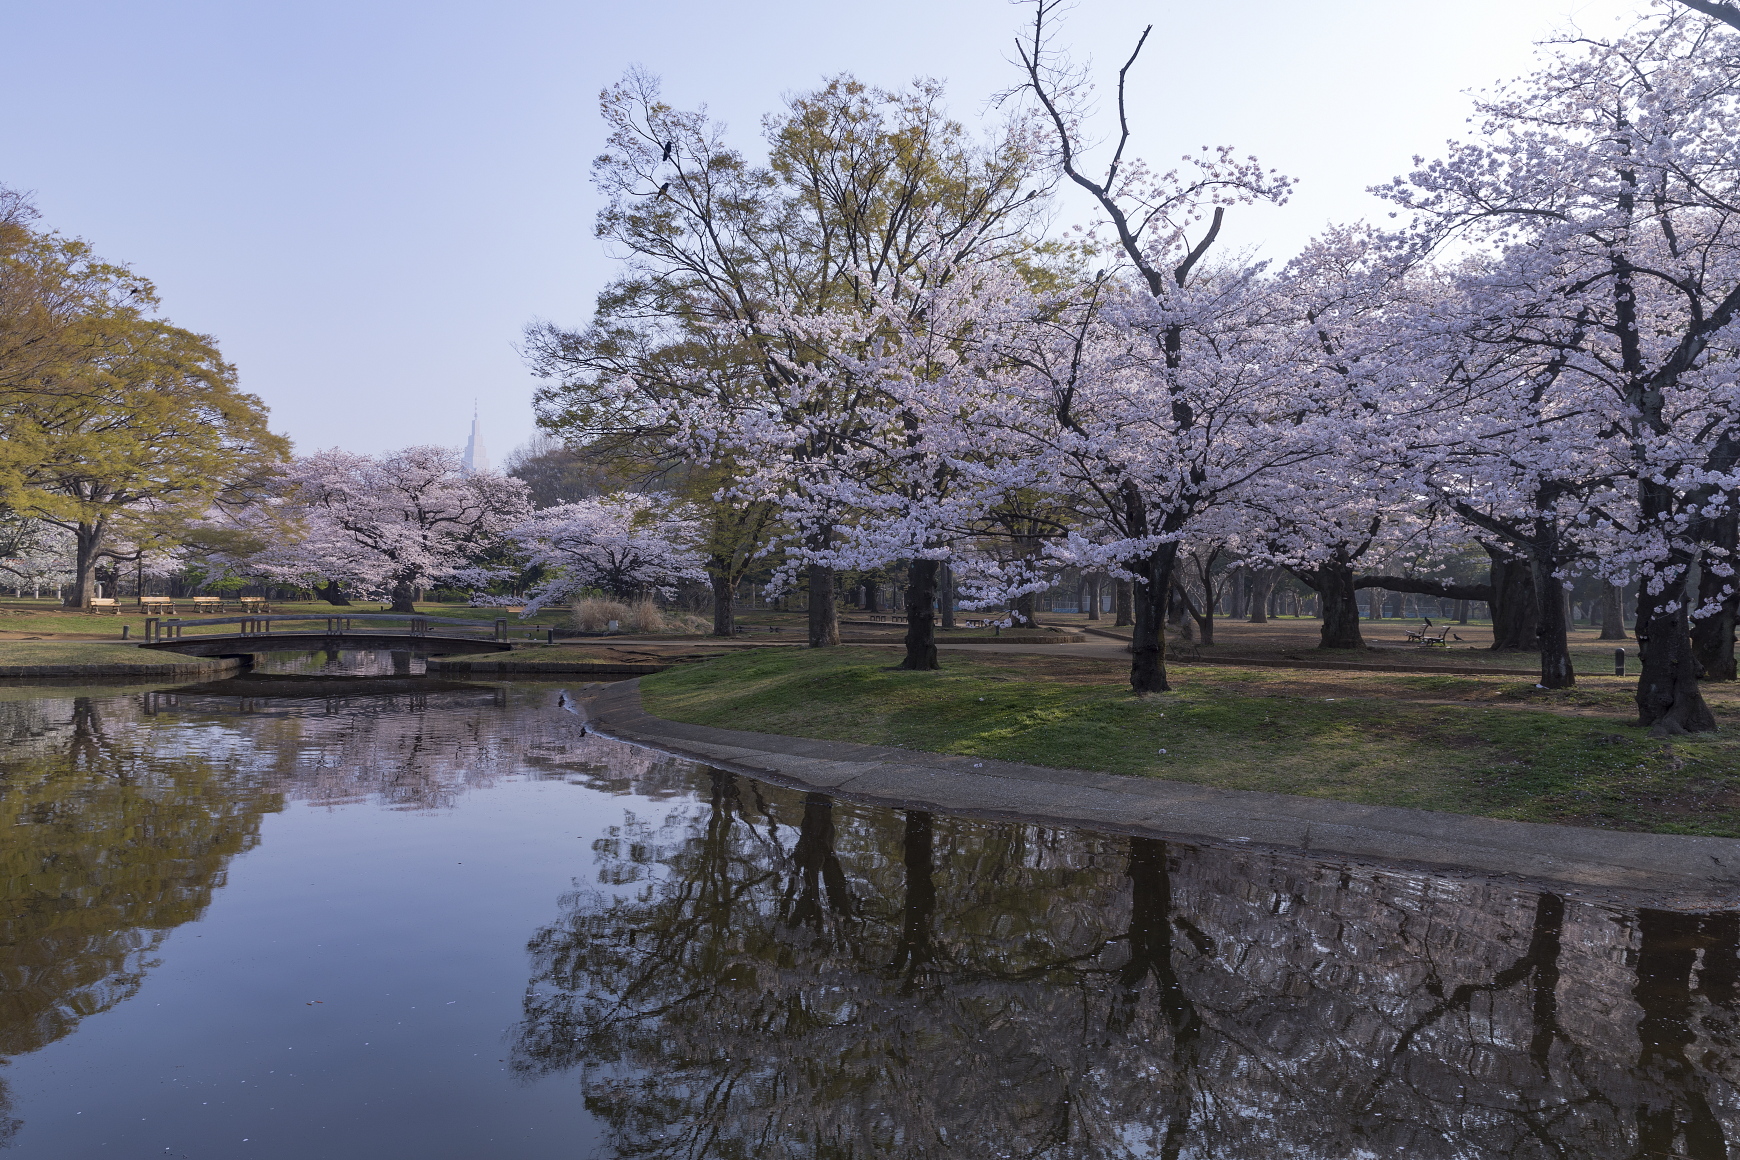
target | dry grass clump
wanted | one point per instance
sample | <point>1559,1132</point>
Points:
<point>594,615</point>
<point>687,622</point>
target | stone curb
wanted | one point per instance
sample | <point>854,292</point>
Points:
<point>1669,870</point>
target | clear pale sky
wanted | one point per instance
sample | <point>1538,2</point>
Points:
<point>366,201</point>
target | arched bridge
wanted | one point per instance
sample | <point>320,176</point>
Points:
<point>313,631</point>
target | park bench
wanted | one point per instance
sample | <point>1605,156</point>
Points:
<point>209,603</point>
<point>106,604</point>
<point>157,604</point>
<point>1424,638</point>
<point>254,604</point>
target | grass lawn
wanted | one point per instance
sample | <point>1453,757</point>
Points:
<point>1296,638</point>
<point>85,652</point>
<point>1493,746</point>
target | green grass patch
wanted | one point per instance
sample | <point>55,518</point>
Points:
<point>1500,749</point>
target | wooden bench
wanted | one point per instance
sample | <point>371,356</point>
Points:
<point>1425,639</point>
<point>157,604</point>
<point>253,604</point>
<point>209,603</point>
<point>105,604</point>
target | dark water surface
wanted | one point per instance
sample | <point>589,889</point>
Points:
<point>444,924</point>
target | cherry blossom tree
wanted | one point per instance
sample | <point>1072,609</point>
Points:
<point>1160,396</point>
<point>621,543</point>
<point>874,432</point>
<point>33,553</point>
<point>1601,199</point>
<point>857,184</point>
<point>390,523</point>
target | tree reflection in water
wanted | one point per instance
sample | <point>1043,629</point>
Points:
<point>773,974</point>
<point>121,812</point>
<point>106,851</point>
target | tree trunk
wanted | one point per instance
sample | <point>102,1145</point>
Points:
<point>1093,590</point>
<point>1514,610</point>
<point>824,617</point>
<point>1340,608</point>
<point>1204,626</point>
<point>1551,614</point>
<point>89,541</point>
<point>1667,690</point>
<point>921,586</point>
<point>333,594</point>
<point>1258,587</point>
<point>1124,604</point>
<point>948,596</point>
<point>724,604</point>
<point>404,597</point>
<point>1612,612</point>
<point>1024,605</point>
<point>1333,583</point>
<point>913,952</point>
<point>1713,636</point>
<point>1150,597</point>
<point>817,868</point>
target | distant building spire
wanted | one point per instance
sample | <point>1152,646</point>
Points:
<point>476,457</point>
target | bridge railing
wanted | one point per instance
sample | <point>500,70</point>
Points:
<point>260,624</point>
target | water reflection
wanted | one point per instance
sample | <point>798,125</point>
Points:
<point>344,662</point>
<point>105,851</point>
<point>795,977</point>
<point>748,970</point>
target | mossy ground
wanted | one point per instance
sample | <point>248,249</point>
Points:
<point>1492,746</point>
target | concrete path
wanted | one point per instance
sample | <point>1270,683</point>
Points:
<point>1650,869</point>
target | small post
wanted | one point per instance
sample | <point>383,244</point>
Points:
<point>549,636</point>
<point>501,629</point>
<point>126,630</point>
<point>1619,662</point>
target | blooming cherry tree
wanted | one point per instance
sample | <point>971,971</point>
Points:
<point>390,523</point>
<point>622,543</point>
<point>1598,211</point>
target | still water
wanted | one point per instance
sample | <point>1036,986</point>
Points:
<point>241,920</point>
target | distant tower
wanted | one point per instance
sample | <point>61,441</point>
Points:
<point>476,457</point>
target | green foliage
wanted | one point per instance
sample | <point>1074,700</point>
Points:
<point>112,423</point>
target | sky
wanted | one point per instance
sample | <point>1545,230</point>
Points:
<point>366,201</point>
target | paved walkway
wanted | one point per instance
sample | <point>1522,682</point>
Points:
<point>1658,869</point>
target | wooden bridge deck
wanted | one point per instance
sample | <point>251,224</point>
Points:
<point>435,636</point>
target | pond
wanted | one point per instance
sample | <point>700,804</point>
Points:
<point>433,920</point>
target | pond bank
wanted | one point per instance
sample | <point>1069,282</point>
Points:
<point>50,658</point>
<point>1676,871</point>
